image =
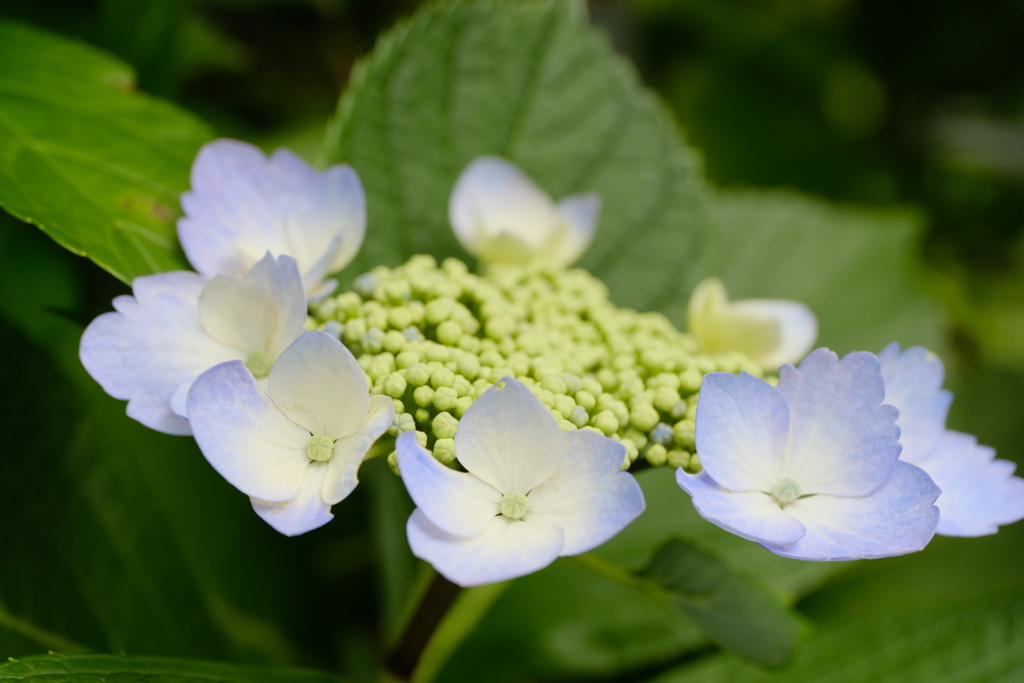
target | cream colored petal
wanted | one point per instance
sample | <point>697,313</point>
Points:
<point>349,451</point>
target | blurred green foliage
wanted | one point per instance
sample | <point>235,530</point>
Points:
<point>905,121</point>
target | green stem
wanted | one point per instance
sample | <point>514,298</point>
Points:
<point>615,573</point>
<point>45,638</point>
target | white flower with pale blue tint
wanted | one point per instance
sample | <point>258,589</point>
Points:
<point>179,324</point>
<point>979,493</point>
<point>531,493</point>
<point>769,331</point>
<point>810,469</point>
<point>499,215</point>
<point>295,447</point>
<point>243,204</point>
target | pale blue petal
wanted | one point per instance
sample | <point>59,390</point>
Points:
<point>505,550</point>
<point>752,515</point>
<point>244,436</point>
<point>305,512</point>
<point>589,496</point>
<point>842,440</point>
<point>979,493</point>
<point>509,439</point>
<point>742,428</point>
<point>459,503</point>
<point>318,384</point>
<point>913,384</point>
<point>896,519</point>
<point>152,345</point>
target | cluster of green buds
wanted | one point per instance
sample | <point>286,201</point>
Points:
<point>434,338</point>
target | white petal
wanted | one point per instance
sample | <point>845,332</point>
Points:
<point>243,204</point>
<point>492,198</point>
<point>244,436</point>
<point>913,383</point>
<point>281,279</point>
<point>349,451</point>
<point>770,331</point>
<point>305,512</point>
<point>979,493</point>
<point>842,440</point>
<point>318,383</point>
<point>179,400</point>
<point>797,325</point>
<point>238,313</point>
<point>896,519</point>
<point>742,428</point>
<point>459,503</point>
<point>151,346</point>
<point>316,286</point>
<point>505,550</point>
<point>509,439</point>
<point>580,213</point>
<point>752,515</point>
<point>589,496</point>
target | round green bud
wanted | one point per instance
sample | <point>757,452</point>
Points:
<point>632,452</point>
<point>563,424</point>
<point>606,422</point>
<point>668,380</point>
<point>694,467</point>
<point>585,399</point>
<point>413,334</point>
<point>690,380</point>
<point>691,411</point>
<point>377,318</point>
<point>644,417</point>
<point>439,310</point>
<point>423,396</point>
<point>546,397</point>
<point>454,267</point>
<point>678,458</point>
<point>418,375</point>
<point>445,398</point>
<point>620,411</point>
<point>422,415</point>
<point>657,455</point>
<point>480,386</point>
<point>381,366</point>
<point>403,423</point>
<point>444,451</point>
<point>470,344</point>
<point>579,417</point>
<point>462,405</point>
<point>469,366</point>
<point>395,385</point>
<point>442,377</point>
<point>320,448</point>
<point>326,309</point>
<point>400,317</point>
<point>638,438</point>
<point>684,432</point>
<point>449,332</point>
<point>492,358</point>
<point>407,359</point>
<point>666,398</point>
<point>662,434</point>
<point>398,404</point>
<point>347,305</point>
<point>393,463</point>
<point>500,327</point>
<point>572,382</point>
<point>514,505</point>
<point>554,384</point>
<point>394,341</point>
<point>355,329</point>
<point>630,387</point>
<point>591,386</point>
<point>373,340</point>
<point>462,386</point>
<point>444,425</point>
<point>397,291</point>
<point>608,378</point>
<point>564,405</point>
<point>678,411</point>
<point>421,438</point>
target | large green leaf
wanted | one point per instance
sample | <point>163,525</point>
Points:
<point>981,643</point>
<point>95,164</point>
<point>535,84</point>
<point>55,668</point>
<point>854,267</point>
<point>736,612</point>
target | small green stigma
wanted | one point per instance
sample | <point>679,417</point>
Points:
<point>259,363</point>
<point>786,491</point>
<point>513,505</point>
<point>320,448</point>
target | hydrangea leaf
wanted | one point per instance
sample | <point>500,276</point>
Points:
<point>533,83</point>
<point>59,668</point>
<point>95,164</point>
<point>853,267</point>
<point>736,612</point>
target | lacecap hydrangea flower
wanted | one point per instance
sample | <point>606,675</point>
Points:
<point>979,493</point>
<point>810,469</point>
<point>295,448</point>
<point>531,493</point>
<point>178,324</point>
<point>499,215</point>
<point>243,204</point>
<point>769,331</point>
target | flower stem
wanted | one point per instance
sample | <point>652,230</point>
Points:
<point>436,601</point>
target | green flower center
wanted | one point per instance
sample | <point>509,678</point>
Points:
<point>786,491</point>
<point>514,505</point>
<point>320,449</point>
